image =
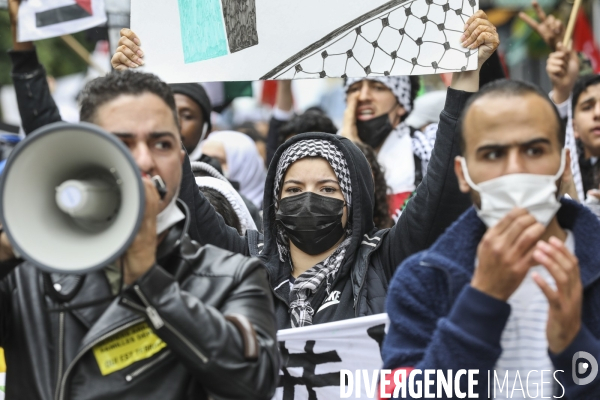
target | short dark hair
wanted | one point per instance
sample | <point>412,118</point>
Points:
<point>310,121</point>
<point>107,88</point>
<point>510,88</point>
<point>581,86</point>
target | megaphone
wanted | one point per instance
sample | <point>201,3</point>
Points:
<point>71,198</point>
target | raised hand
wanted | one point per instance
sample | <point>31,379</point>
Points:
<point>129,53</point>
<point>13,14</point>
<point>563,69</point>
<point>349,124</point>
<point>548,27</point>
<point>505,254</point>
<point>564,315</point>
<point>480,34</point>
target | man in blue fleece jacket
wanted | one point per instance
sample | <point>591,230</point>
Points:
<point>512,288</point>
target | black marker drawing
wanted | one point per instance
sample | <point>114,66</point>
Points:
<point>308,361</point>
<point>399,37</point>
<point>82,9</point>
<point>240,23</point>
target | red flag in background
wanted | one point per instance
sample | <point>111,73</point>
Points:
<point>269,92</point>
<point>583,40</point>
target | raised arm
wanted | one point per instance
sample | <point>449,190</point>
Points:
<point>208,227</point>
<point>36,105</point>
<point>438,201</point>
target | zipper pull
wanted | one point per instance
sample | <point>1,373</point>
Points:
<point>156,320</point>
<point>151,312</point>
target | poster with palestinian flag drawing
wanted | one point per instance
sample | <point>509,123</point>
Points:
<point>42,19</point>
<point>247,40</point>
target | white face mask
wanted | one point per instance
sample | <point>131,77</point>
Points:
<point>533,192</point>
<point>169,216</point>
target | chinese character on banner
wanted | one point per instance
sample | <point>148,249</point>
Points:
<point>313,357</point>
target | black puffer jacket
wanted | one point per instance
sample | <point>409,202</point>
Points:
<point>361,286</point>
<point>211,312</point>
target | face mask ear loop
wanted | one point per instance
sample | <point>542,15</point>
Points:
<point>463,164</point>
<point>204,132</point>
<point>563,161</point>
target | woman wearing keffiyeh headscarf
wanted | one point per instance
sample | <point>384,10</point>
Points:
<point>325,259</point>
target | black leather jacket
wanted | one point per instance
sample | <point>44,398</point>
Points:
<point>212,308</point>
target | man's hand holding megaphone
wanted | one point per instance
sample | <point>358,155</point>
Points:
<point>141,255</point>
<point>6,251</point>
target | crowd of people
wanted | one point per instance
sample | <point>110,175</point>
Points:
<point>468,216</point>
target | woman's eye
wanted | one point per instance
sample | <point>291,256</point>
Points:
<point>329,190</point>
<point>293,190</point>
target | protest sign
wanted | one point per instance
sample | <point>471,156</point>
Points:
<point>314,356</point>
<point>42,19</point>
<point>226,40</point>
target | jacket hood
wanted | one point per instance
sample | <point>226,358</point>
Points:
<point>362,196</point>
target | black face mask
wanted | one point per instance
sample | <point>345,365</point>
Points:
<point>312,222</point>
<point>374,131</point>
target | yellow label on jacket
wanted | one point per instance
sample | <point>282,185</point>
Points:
<point>135,344</point>
<point>2,362</point>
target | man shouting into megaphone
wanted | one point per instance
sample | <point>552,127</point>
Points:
<point>171,319</point>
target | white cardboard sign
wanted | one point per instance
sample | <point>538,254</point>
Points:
<point>42,19</point>
<point>228,40</point>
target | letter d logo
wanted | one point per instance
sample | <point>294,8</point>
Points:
<point>582,368</point>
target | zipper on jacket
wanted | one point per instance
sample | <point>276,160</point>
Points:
<point>61,393</point>
<point>146,367</point>
<point>155,319</point>
<point>61,345</point>
<point>162,322</point>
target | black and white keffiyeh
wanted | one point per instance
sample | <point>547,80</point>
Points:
<point>399,85</point>
<point>423,142</point>
<point>307,284</point>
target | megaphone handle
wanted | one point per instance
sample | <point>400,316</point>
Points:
<point>160,186</point>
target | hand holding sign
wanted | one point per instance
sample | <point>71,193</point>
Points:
<point>129,53</point>
<point>480,34</point>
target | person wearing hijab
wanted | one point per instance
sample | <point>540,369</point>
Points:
<point>202,169</point>
<point>240,162</point>
<point>233,198</point>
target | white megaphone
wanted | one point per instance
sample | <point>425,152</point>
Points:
<point>71,198</point>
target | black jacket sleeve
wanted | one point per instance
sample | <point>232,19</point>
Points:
<point>206,340</point>
<point>36,105</point>
<point>438,202</point>
<point>208,227</point>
